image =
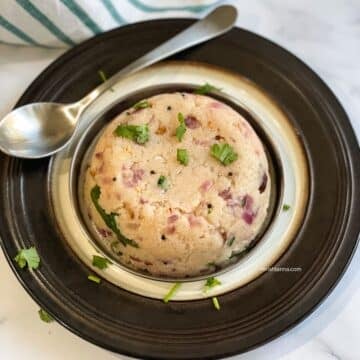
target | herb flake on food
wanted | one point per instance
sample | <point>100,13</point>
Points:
<point>44,316</point>
<point>182,156</point>
<point>239,254</point>
<point>181,129</point>
<point>205,89</point>
<point>136,133</point>
<point>231,241</point>
<point>224,153</point>
<point>109,219</point>
<point>94,279</point>
<point>29,257</point>
<point>211,282</point>
<point>163,183</point>
<point>100,262</point>
<point>171,292</point>
<point>143,104</point>
<point>286,207</point>
<point>216,303</point>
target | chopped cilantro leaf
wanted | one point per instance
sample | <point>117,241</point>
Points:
<point>137,133</point>
<point>210,283</point>
<point>100,262</point>
<point>181,129</point>
<point>171,292</point>
<point>231,241</point>
<point>224,153</point>
<point>216,303</point>
<point>163,182</point>
<point>286,207</point>
<point>94,278</point>
<point>28,257</point>
<point>109,219</point>
<point>143,104</point>
<point>44,316</point>
<point>182,156</point>
<point>205,89</point>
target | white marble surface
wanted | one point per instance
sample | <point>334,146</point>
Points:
<point>323,33</point>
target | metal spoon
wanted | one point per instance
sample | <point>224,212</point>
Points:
<point>42,129</point>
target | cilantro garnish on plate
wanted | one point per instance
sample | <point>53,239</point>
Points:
<point>44,316</point>
<point>100,262</point>
<point>210,283</point>
<point>29,257</point>
<point>94,279</point>
<point>216,303</point>
<point>171,292</point>
<point>102,75</point>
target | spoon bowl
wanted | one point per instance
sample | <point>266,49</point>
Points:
<point>37,130</point>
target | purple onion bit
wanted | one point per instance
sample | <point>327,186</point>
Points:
<point>225,194</point>
<point>248,217</point>
<point>249,214</point>
<point>104,232</point>
<point>191,122</point>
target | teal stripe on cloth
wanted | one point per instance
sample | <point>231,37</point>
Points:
<point>16,31</point>
<point>82,15</point>
<point>45,21</point>
<point>148,8</point>
<point>113,12</point>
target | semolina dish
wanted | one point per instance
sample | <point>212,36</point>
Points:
<point>177,185</point>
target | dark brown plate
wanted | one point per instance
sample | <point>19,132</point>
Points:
<point>130,324</point>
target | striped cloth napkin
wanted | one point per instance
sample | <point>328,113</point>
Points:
<point>62,23</point>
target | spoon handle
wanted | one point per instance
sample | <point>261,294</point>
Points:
<point>217,22</point>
